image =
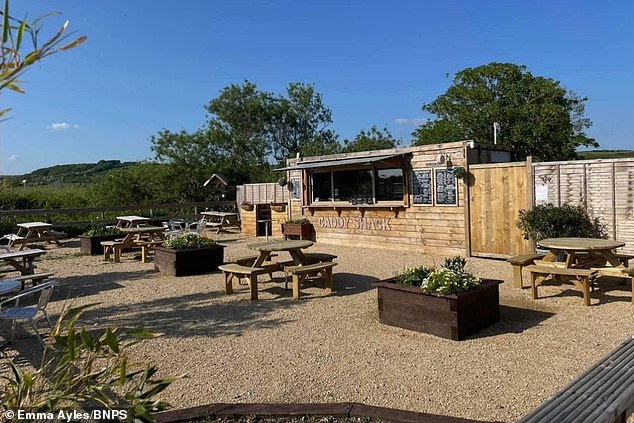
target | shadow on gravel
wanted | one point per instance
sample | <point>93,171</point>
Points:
<point>84,285</point>
<point>196,315</point>
<point>513,320</point>
<point>607,290</point>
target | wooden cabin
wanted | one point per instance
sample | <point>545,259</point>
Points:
<point>397,198</point>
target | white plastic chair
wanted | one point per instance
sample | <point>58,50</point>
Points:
<point>30,313</point>
<point>197,227</point>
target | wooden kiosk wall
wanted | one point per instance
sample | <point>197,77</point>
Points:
<point>438,229</point>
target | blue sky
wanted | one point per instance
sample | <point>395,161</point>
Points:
<point>149,65</point>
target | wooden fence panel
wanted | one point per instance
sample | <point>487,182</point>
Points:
<point>604,187</point>
<point>496,195</point>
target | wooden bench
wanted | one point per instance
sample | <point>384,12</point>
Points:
<point>319,257</point>
<point>248,260</point>
<point>301,272</point>
<point>518,263</point>
<point>147,247</point>
<point>625,258</point>
<point>35,278</point>
<point>232,270</point>
<point>579,277</point>
<point>602,394</point>
<point>113,248</point>
<point>618,273</point>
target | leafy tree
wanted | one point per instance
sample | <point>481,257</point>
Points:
<point>372,139</point>
<point>144,183</point>
<point>190,160</point>
<point>537,115</point>
<point>16,58</point>
<point>237,128</point>
<point>299,124</point>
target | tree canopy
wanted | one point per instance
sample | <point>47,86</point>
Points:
<point>373,139</point>
<point>537,115</point>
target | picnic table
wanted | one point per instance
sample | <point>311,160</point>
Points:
<point>301,265</point>
<point>131,221</point>
<point>220,220</point>
<point>293,247</point>
<point>30,232</point>
<point>22,261</point>
<point>143,237</point>
<point>583,259</point>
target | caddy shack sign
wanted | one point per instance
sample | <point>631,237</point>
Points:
<point>364,223</point>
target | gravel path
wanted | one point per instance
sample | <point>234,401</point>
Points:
<point>332,348</point>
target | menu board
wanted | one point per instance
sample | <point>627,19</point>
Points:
<point>295,185</point>
<point>422,187</point>
<point>445,187</point>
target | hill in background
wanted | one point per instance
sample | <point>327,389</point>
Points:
<point>68,173</point>
<point>605,154</point>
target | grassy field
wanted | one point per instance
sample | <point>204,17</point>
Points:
<point>605,154</point>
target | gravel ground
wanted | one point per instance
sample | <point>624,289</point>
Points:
<point>332,348</point>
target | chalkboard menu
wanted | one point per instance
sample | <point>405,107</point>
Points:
<point>445,187</point>
<point>422,187</point>
<point>295,188</point>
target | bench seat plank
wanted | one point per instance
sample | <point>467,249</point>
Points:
<point>580,278</point>
<point>602,394</point>
<point>518,263</point>
<point>301,272</point>
<point>232,270</point>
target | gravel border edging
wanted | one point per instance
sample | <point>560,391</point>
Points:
<point>272,410</point>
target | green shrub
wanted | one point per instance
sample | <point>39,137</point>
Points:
<point>82,369</point>
<point>188,241</point>
<point>445,281</point>
<point>98,229</point>
<point>414,276</point>
<point>448,279</point>
<point>549,221</point>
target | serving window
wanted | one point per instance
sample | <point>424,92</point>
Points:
<point>358,186</point>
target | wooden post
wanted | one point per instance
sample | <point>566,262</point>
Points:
<point>467,200</point>
<point>531,193</point>
<point>614,202</point>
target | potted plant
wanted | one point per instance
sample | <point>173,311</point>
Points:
<point>447,302</point>
<point>549,221</point>
<point>246,206</point>
<point>278,207</point>
<point>298,227</point>
<point>90,241</point>
<point>188,254</point>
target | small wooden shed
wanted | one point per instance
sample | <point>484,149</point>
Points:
<point>406,198</point>
<point>263,208</point>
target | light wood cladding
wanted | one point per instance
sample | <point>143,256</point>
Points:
<point>498,193</point>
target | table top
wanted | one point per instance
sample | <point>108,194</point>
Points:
<point>142,229</point>
<point>133,218</point>
<point>287,245</point>
<point>580,244</point>
<point>34,225</point>
<point>33,252</point>
<point>9,285</point>
<point>218,213</point>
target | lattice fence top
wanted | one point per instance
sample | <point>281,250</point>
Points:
<point>266,193</point>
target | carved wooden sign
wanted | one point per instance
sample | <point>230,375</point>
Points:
<point>364,223</point>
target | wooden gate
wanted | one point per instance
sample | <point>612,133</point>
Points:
<point>497,192</point>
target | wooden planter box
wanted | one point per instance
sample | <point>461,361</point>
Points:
<point>92,244</point>
<point>188,262</point>
<point>303,231</point>
<point>453,316</point>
